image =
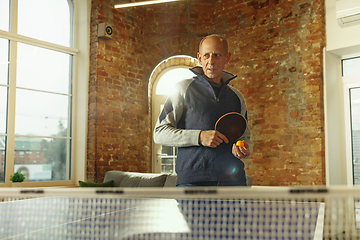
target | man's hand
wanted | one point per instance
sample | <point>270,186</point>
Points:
<point>212,138</point>
<point>241,152</point>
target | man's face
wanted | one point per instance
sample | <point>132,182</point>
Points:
<point>212,58</point>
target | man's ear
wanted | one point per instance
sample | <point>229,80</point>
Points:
<point>199,58</point>
<point>228,58</point>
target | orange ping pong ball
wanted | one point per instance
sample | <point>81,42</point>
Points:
<point>240,143</point>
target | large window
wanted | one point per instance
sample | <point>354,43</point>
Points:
<point>351,86</point>
<point>37,73</point>
<point>355,131</point>
<point>351,81</point>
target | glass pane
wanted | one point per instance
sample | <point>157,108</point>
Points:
<point>4,60</point>
<point>167,150</point>
<point>41,114</point>
<point>2,159</point>
<point>42,159</point>
<point>4,15</point>
<point>355,131</point>
<point>351,66</point>
<point>170,78</point>
<point>45,20</point>
<point>42,69</point>
<point>3,115</point>
<point>167,165</point>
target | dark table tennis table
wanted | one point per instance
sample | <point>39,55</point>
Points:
<point>152,218</point>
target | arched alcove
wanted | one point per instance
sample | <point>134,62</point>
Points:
<point>155,101</point>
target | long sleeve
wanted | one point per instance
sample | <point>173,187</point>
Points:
<point>166,131</point>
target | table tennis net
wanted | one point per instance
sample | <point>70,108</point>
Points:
<point>180,213</point>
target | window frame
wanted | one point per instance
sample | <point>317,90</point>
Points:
<point>349,82</point>
<point>81,58</point>
<point>338,149</point>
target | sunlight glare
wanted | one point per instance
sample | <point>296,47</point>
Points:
<point>170,78</point>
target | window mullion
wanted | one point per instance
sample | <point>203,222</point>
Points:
<point>38,43</point>
<point>13,16</point>
<point>10,126</point>
<point>10,140</point>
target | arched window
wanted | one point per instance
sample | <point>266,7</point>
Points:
<point>40,87</point>
<point>164,77</point>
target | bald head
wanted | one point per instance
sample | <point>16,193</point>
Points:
<point>219,37</point>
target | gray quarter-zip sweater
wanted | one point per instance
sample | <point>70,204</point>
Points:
<point>194,107</point>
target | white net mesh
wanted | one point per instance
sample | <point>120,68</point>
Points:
<point>180,213</point>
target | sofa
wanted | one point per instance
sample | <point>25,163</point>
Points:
<point>135,179</point>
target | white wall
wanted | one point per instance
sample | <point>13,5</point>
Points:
<point>342,42</point>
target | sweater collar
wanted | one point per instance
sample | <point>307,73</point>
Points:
<point>225,78</point>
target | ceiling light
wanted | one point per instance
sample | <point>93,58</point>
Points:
<point>135,4</point>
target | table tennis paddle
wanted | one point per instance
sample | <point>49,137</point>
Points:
<point>232,125</point>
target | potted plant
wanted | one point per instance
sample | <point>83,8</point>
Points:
<point>17,178</point>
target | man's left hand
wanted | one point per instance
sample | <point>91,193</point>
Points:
<point>241,152</point>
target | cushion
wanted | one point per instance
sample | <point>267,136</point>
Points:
<point>115,176</point>
<point>143,180</point>
<point>134,179</point>
<point>171,180</point>
<point>103,184</point>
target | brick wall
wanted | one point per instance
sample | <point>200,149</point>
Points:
<point>119,133</point>
<point>276,52</point>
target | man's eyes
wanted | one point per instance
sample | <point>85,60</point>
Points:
<point>215,54</point>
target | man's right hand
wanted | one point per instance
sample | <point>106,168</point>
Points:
<point>212,138</point>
